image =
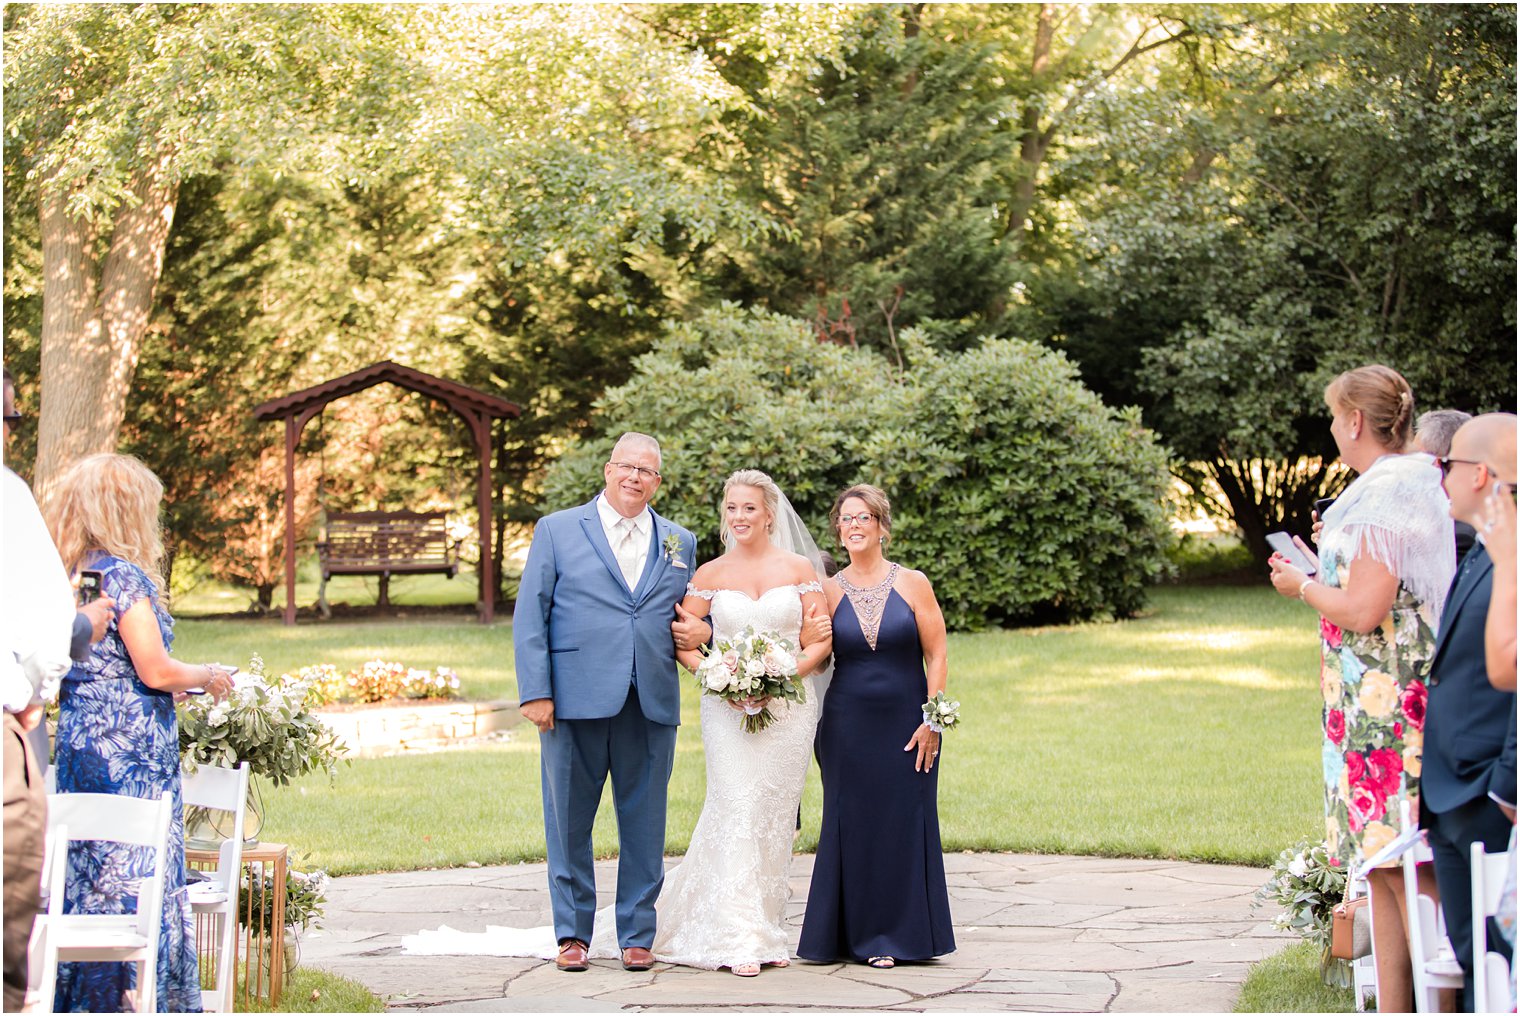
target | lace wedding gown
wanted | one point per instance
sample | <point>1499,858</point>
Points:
<point>725,903</point>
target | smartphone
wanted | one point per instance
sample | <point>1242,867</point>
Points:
<point>1284,545</point>
<point>1322,505</point>
<point>89,586</point>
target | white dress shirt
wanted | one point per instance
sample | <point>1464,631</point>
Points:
<point>37,612</point>
<point>612,526</point>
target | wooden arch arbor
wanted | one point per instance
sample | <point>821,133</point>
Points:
<point>475,407</point>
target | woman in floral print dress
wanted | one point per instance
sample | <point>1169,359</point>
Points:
<point>117,732</point>
<point>1386,559</point>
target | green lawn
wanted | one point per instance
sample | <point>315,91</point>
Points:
<point>1191,732</point>
<point>1289,981</point>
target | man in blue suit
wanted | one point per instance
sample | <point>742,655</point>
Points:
<point>596,673</point>
<point>1467,780</point>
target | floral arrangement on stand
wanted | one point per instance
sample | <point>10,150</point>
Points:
<point>1308,887</point>
<point>262,722</point>
<point>376,681</point>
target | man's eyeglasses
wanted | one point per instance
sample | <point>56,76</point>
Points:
<point>1448,462</point>
<point>644,472</point>
<point>864,519</point>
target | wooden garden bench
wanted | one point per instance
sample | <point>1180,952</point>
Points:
<point>385,544</point>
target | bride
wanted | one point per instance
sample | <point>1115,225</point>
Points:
<point>724,905</point>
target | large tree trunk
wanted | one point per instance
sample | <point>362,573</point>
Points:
<point>1033,141</point>
<point>94,316</point>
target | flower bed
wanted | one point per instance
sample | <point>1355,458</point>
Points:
<point>376,681</point>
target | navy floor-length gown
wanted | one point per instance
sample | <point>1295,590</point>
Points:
<point>879,878</point>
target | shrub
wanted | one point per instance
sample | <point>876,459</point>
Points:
<point>1014,488</point>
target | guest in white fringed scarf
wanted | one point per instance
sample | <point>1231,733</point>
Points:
<point>1386,558</point>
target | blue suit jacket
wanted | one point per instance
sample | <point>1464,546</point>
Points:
<point>582,637</point>
<point>1469,724</point>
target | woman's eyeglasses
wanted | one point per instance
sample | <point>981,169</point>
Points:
<point>864,519</point>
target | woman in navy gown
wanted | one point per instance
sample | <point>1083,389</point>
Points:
<point>878,894</point>
<point>117,732</point>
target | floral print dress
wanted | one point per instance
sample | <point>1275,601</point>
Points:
<point>1375,687</point>
<point>118,736</point>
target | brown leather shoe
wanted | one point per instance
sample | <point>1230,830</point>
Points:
<point>572,955</point>
<point>637,958</point>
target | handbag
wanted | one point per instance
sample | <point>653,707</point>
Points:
<point>1351,929</point>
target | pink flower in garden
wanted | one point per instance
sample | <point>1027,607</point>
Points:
<point>1331,633</point>
<point>1412,702</point>
<point>1335,725</point>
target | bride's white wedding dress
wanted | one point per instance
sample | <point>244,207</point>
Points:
<point>725,903</point>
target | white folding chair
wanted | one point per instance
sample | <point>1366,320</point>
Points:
<point>1431,955</point>
<point>1490,971</point>
<point>1364,969</point>
<point>126,938</point>
<point>217,896</point>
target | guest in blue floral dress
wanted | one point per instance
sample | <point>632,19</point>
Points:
<point>117,732</point>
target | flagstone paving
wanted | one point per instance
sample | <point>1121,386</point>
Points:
<point>1034,933</point>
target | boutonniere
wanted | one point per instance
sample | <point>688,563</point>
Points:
<point>673,550</point>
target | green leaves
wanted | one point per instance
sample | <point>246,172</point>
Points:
<point>1017,492</point>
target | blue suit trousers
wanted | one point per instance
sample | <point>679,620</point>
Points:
<point>578,756</point>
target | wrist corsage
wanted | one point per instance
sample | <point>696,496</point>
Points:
<point>941,713</point>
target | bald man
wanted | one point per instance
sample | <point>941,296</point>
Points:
<point>1467,783</point>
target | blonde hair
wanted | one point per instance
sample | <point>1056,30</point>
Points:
<point>876,503</point>
<point>770,494</point>
<point>1384,399</point>
<point>109,503</point>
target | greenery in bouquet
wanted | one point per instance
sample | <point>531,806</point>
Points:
<point>262,722</point>
<point>376,681</point>
<point>753,665</point>
<point>305,897</point>
<point>1307,887</point>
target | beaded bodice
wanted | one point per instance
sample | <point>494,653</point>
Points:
<point>869,602</point>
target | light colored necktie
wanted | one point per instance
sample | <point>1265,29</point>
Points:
<point>627,552</point>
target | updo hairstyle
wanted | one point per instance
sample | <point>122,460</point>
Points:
<point>770,494</point>
<point>876,503</point>
<point>1384,399</point>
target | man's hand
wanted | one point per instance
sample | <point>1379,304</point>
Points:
<point>99,613</point>
<point>689,631</point>
<point>816,627</point>
<point>540,713</point>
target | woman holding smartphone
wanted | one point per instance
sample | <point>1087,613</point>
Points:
<point>1386,558</point>
<point>117,732</point>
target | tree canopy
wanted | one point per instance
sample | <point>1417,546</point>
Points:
<point>1209,209</point>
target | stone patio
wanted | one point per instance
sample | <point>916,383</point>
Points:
<point>1035,933</point>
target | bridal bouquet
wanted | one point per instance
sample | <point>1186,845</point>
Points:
<point>751,665</point>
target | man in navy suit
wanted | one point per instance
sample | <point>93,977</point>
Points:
<point>596,673</point>
<point>1467,780</point>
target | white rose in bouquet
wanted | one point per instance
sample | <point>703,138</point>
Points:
<point>772,663</point>
<point>716,678</point>
<point>754,668</point>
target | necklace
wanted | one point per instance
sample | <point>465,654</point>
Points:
<point>869,603</point>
